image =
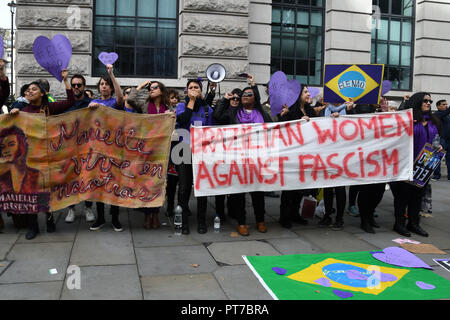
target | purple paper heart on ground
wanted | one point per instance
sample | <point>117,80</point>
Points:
<point>425,286</point>
<point>279,271</point>
<point>108,57</point>
<point>343,294</point>
<point>386,87</point>
<point>356,275</point>
<point>2,48</point>
<point>314,92</point>
<point>323,282</point>
<point>282,91</point>
<point>53,55</point>
<point>400,257</point>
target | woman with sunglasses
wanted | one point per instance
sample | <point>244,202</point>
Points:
<point>406,195</point>
<point>156,103</point>
<point>38,103</point>
<point>248,110</point>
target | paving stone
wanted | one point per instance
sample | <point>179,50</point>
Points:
<point>32,262</point>
<point>103,247</point>
<point>231,253</point>
<point>239,283</point>
<point>3,266</point>
<point>202,286</point>
<point>335,241</point>
<point>6,243</point>
<point>274,231</point>
<point>31,291</point>
<point>162,237</point>
<point>174,260</point>
<point>382,240</point>
<point>106,283</point>
<point>294,246</point>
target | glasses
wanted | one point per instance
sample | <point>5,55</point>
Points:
<point>153,88</point>
<point>247,94</point>
<point>427,101</point>
<point>235,99</point>
<point>77,85</point>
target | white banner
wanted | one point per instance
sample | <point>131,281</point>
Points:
<point>324,152</point>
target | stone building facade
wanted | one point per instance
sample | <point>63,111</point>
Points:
<point>237,34</point>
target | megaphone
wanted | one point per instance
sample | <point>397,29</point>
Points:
<point>216,73</point>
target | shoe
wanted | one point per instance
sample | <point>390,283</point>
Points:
<point>155,220</point>
<point>243,230</point>
<point>117,226</point>
<point>31,233</point>
<point>147,221</point>
<point>367,227</point>
<point>401,229</point>
<point>353,211</point>
<point>70,218</point>
<point>418,230</point>
<point>325,221</point>
<point>373,223</point>
<point>337,226</point>
<point>201,228</point>
<point>286,224</point>
<point>97,225</point>
<point>90,216</point>
<point>261,227</point>
<point>51,224</point>
<point>298,219</point>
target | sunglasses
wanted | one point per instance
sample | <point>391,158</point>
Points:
<point>427,101</point>
<point>247,94</point>
<point>235,99</point>
<point>77,85</point>
<point>153,88</point>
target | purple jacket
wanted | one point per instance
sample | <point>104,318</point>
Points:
<point>422,136</point>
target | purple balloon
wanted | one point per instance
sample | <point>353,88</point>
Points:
<point>53,55</point>
<point>323,282</point>
<point>386,87</point>
<point>400,257</point>
<point>314,92</point>
<point>2,48</point>
<point>282,91</point>
<point>279,271</point>
<point>108,57</point>
<point>343,294</point>
<point>425,286</point>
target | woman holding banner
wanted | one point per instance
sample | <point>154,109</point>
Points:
<point>107,86</point>
<point>195,111</point>
<point>248,111</point>
<point>38,103</point>
<point>290,200</point>
<point>406,195</point>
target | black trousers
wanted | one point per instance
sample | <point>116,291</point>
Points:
<point>407,197</point>
<point>88,204</point>
<point>114,211</point>
<point>185,179</point>
<point>369,197</point>
<point>341,197</point>
<point>290,204</point>
<point>237,205</point>
<point>352,195</point>
<point>171,189</point>
<point>220,205</point>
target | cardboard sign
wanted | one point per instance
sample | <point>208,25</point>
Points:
<point>282,91</point>
<point>99,155</point>
<point>360,83</point>
<point>426,162</point>
<point>294,155</point>
<point>53,55</point>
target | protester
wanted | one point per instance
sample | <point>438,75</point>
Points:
<point>172,173</point>
<point>174,99</point>
<point>443,114</point>
<point>290,200</point>
<point>78,84</point>
<point>4,84</point>
<point>46,85</point>
<point>248,111</point>
<point>22,100</point>
<point>194,110</point>
<point>406,195</point>
<point>39,103</point>
<point>107,86</point>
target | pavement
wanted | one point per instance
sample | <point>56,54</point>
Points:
<point>139,264</point>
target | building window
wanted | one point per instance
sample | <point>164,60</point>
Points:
<point>144,33</point>
<point>297,39</point>
<point>393,41</point>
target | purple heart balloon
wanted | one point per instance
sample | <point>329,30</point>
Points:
<point>53,55</point>
<point>386,87</point>
<point>343,294</point>
<point>2,48</point>
<point>108,57</point>
<point>282,91</point>
<point>425,286</point>
<point>400,257</point>
<point>314,92</point>
<point>279,271</point>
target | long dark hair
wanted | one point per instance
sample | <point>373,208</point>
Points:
<point>108,80</point>
<point>415,102</point>
<point>44,102</point>
<point>164,93</point>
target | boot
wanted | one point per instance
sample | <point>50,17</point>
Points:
<point>400,228</point>
<point>365,223</point>
<point>50,222</point>
<point>155,220</point>
<point>201,227</point>
<point>413,226</point>
<point>147,221</point>
<point>372,222</point>
<point>185,226</point>
<point>33,227</point>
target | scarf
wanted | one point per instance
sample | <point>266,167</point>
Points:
<point>253,117</point>
<point>153,110</point>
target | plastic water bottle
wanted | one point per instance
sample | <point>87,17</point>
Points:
<point>217,224</point>
<point>178,220</point>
